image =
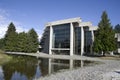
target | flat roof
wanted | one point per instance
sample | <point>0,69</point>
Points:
<point>70,20</point>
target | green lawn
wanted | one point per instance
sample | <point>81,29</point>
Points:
<point>110,58</point>
<point>4,58</point>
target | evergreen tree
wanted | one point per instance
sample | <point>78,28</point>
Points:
<point>104,37</point>
<point>2,43</point>
<point>117,28</point>
<point>32,41</point>
<point>11,38</point>
<point>22,42</point>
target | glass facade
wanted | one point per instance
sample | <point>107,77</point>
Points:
<point>61,39</point>
<point>87,40</point>
<point>61,36</point>
<point>118,44</point>
<point>69,36</point>
<point>77,40</point>
<point>61,52</point>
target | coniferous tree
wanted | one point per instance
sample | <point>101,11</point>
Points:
<point>2,43</point>
<point>117,28</point>
<point>11,38</point>
<point>22,42</point>
<point>32,41</point>
<point>104,37</point>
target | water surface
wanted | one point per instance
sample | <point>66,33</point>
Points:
<point>29,68</point>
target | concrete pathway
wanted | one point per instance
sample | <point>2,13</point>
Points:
<point>44,55</point>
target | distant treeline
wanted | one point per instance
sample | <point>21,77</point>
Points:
<point>19,42</point>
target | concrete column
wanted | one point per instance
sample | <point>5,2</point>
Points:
<point>50,43</point>
<point>49,66</point>
<point>82,40</point>
<point>71,64</point>
<point>53,40</point>
<point>92,32</point>
<point>82,63</point>
<point>118,50</point>
<point>91,47</point>
<point>71,39</point>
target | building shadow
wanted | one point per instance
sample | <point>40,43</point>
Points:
<point>117,72</point>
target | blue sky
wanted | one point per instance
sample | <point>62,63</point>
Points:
<point>26,14</point>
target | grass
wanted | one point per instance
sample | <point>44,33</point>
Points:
<point>4,58</point>
<point>110,58</point>
<point>106,57</point>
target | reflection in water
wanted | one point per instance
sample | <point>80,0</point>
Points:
<point>1,74</point>
<point>29,68</point>
<point>38,72</point>
<point>20,68</point>
<point>18,76</point>
<point>56,64</point>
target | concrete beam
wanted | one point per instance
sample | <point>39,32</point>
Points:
<point>71,20</point>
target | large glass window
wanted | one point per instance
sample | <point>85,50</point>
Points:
<point>77,40</point>
<point>118,44</point>
<point>87,40</point>
<point>61,36</point>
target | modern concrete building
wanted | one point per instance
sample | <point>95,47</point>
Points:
<point>68,37</point>
<point>117,36</point>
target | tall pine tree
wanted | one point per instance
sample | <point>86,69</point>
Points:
<point>32,41</point>
<point>11,38</point>
<point>104,37</point>
<point>22,42</point>
<point>2,43</point>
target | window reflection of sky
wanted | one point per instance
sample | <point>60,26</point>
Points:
<point>1,74</point>
<point>36,68</point>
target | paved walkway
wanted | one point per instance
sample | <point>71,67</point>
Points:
<point>44,55</point>
<point>110,70</point>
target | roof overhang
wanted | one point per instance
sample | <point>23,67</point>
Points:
<point>65,21</point>
<point>93,28</point>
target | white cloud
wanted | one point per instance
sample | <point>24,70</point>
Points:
<point>5,21</point>
<point>4,12</point>
<point>2,31</point>
<point>38,33</point>
<point>2,18</point>
<point>39,36</point>
<point>19,27</point>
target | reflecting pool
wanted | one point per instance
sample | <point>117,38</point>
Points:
<point>29,68</point>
